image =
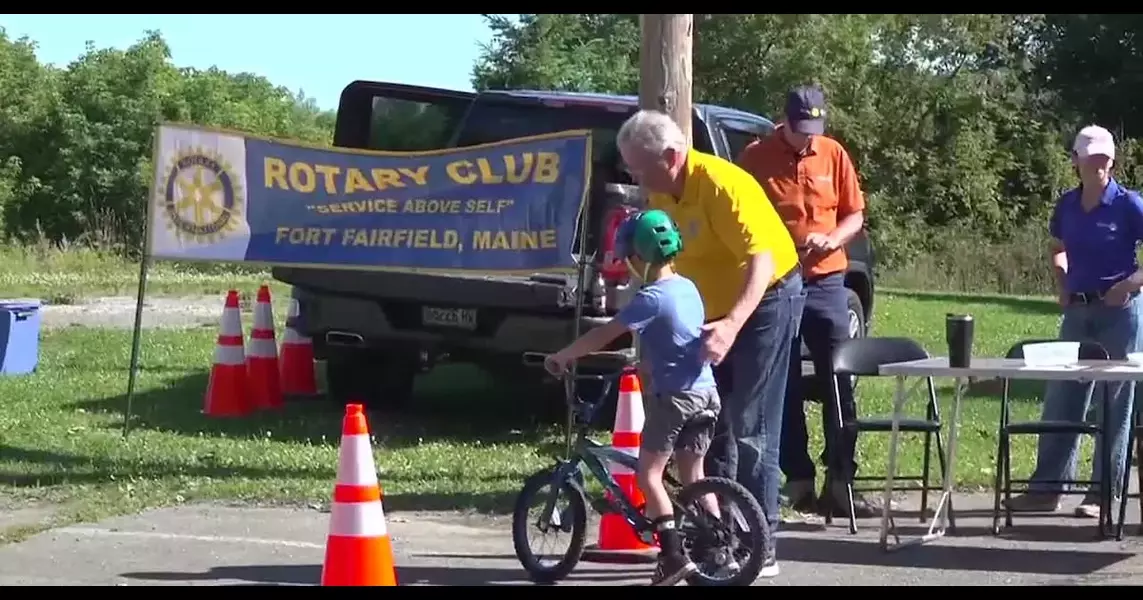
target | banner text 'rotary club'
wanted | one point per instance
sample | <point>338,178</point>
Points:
<point>516,168</point>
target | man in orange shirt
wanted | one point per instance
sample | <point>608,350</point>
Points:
<point>813,185</point>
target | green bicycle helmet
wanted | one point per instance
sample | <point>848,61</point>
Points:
<point>650,235</point>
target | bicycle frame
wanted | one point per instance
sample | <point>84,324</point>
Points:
<point>707,530</point>
<point>595,457</point>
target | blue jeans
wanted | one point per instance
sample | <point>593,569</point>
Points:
<point>1117,329</point>
<point>751,380</point>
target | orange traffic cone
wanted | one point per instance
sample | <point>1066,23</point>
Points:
<point>616,536</point>
<point>297,361</point>
<point>227,394</point>
<point>358,551</point>
<point>262,355</point>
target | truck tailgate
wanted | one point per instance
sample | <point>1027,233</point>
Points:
<point>541,292</point>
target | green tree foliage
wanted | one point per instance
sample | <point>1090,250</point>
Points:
<point>76,142</point>
<point>959,124</point>
<point>581,53</point>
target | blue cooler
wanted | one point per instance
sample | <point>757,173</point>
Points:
<point>19,336</point>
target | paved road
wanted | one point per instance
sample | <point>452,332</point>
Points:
<point>215,545</point>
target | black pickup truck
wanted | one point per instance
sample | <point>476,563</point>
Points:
<point>378,330</point>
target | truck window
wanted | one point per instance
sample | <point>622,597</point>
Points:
<point>402,125</point>
<point>737,142</point>
<point>739,134</point>
<point>426,121</point>
<point>491,121</point>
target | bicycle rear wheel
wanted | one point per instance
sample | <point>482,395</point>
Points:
<point>568,516</point>
<point>729,549</point>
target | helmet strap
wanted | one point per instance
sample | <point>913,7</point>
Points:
<point>642,275</point>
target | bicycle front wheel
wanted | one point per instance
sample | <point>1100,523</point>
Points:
<point>728,549</point>
<point>567,520</point>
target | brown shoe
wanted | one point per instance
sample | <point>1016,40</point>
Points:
<point>1033,502</point>
<point>1089,507</point>
<point>799,496</point>
<point>833,502</point>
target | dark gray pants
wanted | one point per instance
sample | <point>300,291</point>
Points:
<point>825,325</point>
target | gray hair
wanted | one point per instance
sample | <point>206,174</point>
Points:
<point>651,131</point>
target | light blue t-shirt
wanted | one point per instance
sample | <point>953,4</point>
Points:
<point>668,314</point>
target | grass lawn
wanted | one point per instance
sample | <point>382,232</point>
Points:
<point>61,436</point>
<point>465,447</point>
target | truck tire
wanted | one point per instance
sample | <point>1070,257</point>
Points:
<point>813,388</point>
<point>605,414</point>
<point>554,407</point>
<point>373,378</point>
<point>546,399</point>
<point>856,320</point>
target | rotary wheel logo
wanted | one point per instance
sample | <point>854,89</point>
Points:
<point>200,196</point>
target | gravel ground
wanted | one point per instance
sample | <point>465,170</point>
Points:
<point>119,312</point>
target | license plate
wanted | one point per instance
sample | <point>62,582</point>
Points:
<point>459,318</point>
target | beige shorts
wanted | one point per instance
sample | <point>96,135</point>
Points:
<point>671,421</point>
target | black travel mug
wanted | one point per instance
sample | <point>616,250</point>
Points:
<point>958,334</point>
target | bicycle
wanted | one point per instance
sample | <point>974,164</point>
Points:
<point>732,548</point>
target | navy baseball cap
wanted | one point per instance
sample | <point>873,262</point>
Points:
<point>806,110</point>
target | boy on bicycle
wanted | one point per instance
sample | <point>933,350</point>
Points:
<point>668,314</point>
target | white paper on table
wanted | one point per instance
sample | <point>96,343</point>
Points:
<point>1122,369</point>
<point>1067,367</point>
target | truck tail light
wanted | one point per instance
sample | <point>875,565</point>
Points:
<point>611,267</point>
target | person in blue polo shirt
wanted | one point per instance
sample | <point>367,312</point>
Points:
<point>1095,230</point>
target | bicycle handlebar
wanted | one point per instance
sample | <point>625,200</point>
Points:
<point>586,409</point>
<point>609,378</point>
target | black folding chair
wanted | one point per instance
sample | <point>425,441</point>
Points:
<point>1134,443</point>
<point>1004,482</point>
<point>863,357</point>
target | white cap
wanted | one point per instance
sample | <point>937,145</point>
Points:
<point>1092,140</point>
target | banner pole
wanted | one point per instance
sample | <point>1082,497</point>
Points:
<point>580,289</point>
<point>144,268</point>
<point>136,338</point>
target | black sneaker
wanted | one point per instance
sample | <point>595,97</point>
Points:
<point>716,561</point>
<point>672,569</point>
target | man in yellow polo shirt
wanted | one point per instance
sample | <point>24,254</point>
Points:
<point>741,257</point>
